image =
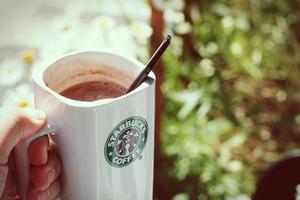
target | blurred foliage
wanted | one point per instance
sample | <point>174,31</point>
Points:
<point>232,98</point>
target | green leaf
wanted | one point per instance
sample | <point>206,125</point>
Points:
<point>181,196</point>
<point>189,99</point>
<point>235,141</point>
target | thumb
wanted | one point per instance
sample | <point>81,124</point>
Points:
<point>15,125</point>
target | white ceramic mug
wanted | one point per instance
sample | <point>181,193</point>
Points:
<point>89,134</point>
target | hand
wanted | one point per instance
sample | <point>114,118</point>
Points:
<point>15,125</point>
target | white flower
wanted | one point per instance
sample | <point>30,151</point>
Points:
<point>75,8</point>
<point>234,166</point>
<point>176,45</point>
<point>297,120</point>
<point>103,23</point>
<point>172,4</point>
<point>236,48</point>
<point>256,57</point>
<point>66,34</point>
<point>183,28</point>
<point>207,66</point>
<point>242,197</point>
<point>65,25</point>
<point>242,23</point>
<point>141,30</point>
<point>281,95</point>
<point>21,97</point>
<point>133,9</point>
<point>94,38</point>
<point>52,50</point>
<point>11,72</point>
<point>172,16</point>
<point>121,38</point>
<point>212,48</point>
<point>227,22</point>
<point>142,53</point>
<point>98,34</point>
<point>28,56</point>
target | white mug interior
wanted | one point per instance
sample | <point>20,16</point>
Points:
<point>86,66</point>
<point>81,68</point>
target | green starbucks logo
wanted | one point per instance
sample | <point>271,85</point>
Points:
<point>126,141</point>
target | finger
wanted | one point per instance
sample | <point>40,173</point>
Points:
<point>10,190</point>
<point>48,194</point>
<point>43,176</point>
<point>16,125</point>
<point>7,180</point>
<point>51,192</point>
<point>11,162</point>
<point>3,177</point>
<point>38,151</point>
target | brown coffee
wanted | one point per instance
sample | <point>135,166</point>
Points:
<point>94,90</point>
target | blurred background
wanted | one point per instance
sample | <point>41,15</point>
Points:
<point>228,103</point>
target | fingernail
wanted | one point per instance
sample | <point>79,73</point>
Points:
<point>37,115</point>
<point>42,195</point>
<point>51,175</point>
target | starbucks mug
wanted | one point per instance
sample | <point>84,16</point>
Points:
<point>106,146</point>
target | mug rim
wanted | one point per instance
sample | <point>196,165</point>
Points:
<point>39,70</point>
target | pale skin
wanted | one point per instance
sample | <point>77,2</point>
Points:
<point>15,125</point>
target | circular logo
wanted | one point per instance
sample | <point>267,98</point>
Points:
<point>126,141</point>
